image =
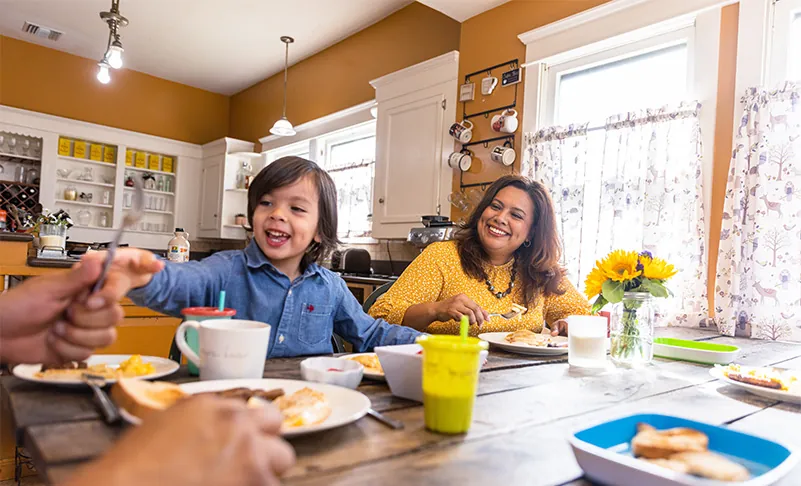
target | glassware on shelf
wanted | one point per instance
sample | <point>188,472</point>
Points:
<point>168,184</point>
<point>106,197</point>
<point>87,175</point>
<point>2,141</point>
<point>26,145</point>
<point>84,217</point>
<point>37,148</point>
<point>150,181</point>
<point>242,175</point>
<point>33,176</point>
<point>12,145</point>
<point>70,193</point>
<point>19,173</point>
<point>103,220</point>
<point>126,200</point>
<point>63,173</point>
<point>160,185</point>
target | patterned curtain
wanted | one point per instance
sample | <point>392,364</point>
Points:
<point>758,291</point>
<point>633,184</point>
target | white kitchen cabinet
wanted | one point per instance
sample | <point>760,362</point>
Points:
<point>416,107</point>
<point>221,200</point>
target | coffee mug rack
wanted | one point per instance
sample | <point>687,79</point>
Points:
<point>513,64</point>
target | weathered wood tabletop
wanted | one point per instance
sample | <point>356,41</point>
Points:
<point>526,409</point>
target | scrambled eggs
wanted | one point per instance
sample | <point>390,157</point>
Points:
<point>134,366</point>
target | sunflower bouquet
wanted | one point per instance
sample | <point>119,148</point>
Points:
<point>631,278</point>
<point>627,271</point>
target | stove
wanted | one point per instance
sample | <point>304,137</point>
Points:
<point>422,237</point>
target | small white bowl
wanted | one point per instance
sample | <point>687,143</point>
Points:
<point>403,368</point>
<point>319,370</point>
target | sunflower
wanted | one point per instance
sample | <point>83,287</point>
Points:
<point>657,269</point>
<point>594,282</point>
<point>621,265</point>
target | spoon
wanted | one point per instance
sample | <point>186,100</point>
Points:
<point>128,221</point>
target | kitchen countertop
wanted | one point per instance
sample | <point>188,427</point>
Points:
<point>9,236</point>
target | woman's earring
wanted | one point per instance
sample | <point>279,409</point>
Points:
<point>527,243</point>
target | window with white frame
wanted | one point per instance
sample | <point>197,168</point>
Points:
<point>349,158</point>
<point>785,41</point>
<point>646,74</point>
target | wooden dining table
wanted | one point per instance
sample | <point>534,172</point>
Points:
<point>526,409</point>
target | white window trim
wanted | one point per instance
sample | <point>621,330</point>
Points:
<point>620,23</point>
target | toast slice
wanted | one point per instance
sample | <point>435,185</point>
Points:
<point>142,398</point>
<point>662,444</point>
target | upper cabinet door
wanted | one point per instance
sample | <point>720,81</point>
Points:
<point>410,161</point>
<point>211,190</point>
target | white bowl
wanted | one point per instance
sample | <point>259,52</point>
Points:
<point>319,370</point>
<point>403,369</point>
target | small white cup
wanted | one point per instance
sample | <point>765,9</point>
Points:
<point>229,349</point>
<point>586,341</point>
<point>503,155</point>
<point>460,160</point>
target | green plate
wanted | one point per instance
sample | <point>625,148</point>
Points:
<point>704,352</point>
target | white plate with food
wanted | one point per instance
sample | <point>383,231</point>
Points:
<point>372,366</point>
<point>768,382</point>
<point>106,365</point>
<point>527,342</point>
<point>308,407</point>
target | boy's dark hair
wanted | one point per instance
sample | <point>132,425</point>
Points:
<point>286,171</point>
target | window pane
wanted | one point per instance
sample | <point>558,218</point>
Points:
<point>648,80</point>
<point>354,200</point>
<point>351,153</point>
<point>794,52</point>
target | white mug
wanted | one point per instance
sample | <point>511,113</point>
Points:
<point>488,85</point>
<point>460,160</point>
<point>503,155</point>
<point>461,131</point>
<point>506,122</point>
<point>229,349</point>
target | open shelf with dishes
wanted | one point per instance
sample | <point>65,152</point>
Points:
<point>20,171</point>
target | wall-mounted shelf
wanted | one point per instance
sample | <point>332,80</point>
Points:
<point>87,161</point>
<point>137,169</point>
<point>151,211</point>
<point>20,158</point>
<point>151,191</point>
<point>148,232</point>
<point>85,183</point>
<point>236,190</point>
<point>79,203</point>
<point>238,226</point>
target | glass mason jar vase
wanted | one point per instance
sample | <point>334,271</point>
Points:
<point>52,236</point>
<point>632,330</point>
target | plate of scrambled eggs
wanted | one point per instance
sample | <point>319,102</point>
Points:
<point>774,383</point>
<point>109,366</point>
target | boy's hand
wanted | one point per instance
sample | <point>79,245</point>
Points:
<point>132,268</point>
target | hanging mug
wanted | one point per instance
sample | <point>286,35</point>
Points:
<point>461,131</point>
<point>506,122</point>
<point>503,154</point>
<point>488,85</point>
<point>460,160</point>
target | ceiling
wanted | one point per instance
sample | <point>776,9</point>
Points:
<point>200,43</point>
<point>462,10</point>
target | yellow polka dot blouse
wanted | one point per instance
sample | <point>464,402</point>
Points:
<point>436,275</point>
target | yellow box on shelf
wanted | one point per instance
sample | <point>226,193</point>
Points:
<point>64,146</point>
<point>80,149</point>
<point>129,157</point>
<point>95,152</point>
<point>110,154</point>
<point>141,160</point>
<point>153,162</point>
<point>167,164</point>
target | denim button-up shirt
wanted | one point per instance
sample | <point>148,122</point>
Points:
<point>303,314</point>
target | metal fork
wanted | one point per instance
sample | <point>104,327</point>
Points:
<point>509,314</point>
<point>128,221</point>
<point>109,409</point>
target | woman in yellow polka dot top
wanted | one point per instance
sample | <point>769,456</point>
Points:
<point>507,253</point>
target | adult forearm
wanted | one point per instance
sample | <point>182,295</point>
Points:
<point>419,316</point>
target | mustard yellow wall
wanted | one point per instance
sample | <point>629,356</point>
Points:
<point>39,79</point>
<point>491,38</point>
<point>338,77</point>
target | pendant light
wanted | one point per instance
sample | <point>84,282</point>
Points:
<point>112,58</point>
<point>282,127</point>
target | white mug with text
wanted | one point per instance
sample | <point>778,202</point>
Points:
<point>229,349</point>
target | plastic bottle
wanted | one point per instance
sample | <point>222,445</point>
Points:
<point>178,247</point>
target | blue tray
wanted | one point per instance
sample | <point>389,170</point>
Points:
<point>604,453</point>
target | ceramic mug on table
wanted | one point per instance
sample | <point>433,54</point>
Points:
<point>503,155</point>
<point>506,122</point>
<point>201,314</point>
<point>461,131</point>
<point>229,349</point>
